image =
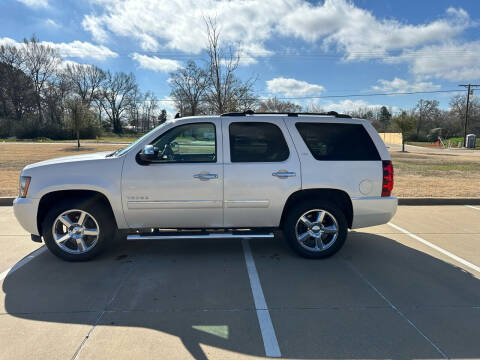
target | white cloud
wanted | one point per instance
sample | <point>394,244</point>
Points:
<point>76,49</point>
<point>156,63</point>
<point>401,85</point>
<point>347,106</point>
<point>360,34</point>
<point>450,61</point>
<point>293,87</point>
<point>51,23</point>
<point>35,3</point>
<point>246,24</point>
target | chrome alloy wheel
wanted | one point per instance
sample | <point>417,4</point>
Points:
<point>316,230</point>
<point>75,231</point>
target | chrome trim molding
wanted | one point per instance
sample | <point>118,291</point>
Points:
<point>209,236</point>
<point>174,204</point>
<point>247,203</point>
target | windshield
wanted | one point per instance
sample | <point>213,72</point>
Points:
<point>120,152</point>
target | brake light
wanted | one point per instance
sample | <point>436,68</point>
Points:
<point>387,185</point>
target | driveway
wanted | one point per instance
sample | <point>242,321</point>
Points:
<point>406,290</point>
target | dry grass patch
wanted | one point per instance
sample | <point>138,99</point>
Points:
<point>15,156</point>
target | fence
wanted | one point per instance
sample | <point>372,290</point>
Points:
<point>391,138</point>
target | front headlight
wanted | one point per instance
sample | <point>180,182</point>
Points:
<point>24,184</point>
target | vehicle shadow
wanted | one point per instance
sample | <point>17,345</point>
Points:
<point>198,291</point>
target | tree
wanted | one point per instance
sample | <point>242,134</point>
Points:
<point>41,63</point>
<point>226,92</point>
<point>427,112</point>
<point>405,123</point>
<point>162,117</point>
<point>116,96</point>
<point>276,105</point>
<point>384,117</point>
<point>188,88</point>
<point>85,81</point>
<point>78,113</point>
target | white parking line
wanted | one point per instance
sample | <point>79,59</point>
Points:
<point>473,207</point>
<point>439,249</point>
<point>22,262</point>
<point>266,327</point>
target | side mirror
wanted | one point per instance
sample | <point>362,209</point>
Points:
<point>148,154</point>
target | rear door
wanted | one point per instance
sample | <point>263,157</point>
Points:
<point>261,169</point>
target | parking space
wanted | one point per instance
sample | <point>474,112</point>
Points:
<point>384,295</point>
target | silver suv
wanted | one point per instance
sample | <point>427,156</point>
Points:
<point>230,176</point>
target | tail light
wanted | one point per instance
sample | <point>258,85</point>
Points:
<point>387,185</point>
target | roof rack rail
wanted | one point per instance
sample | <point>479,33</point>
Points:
<point>292,114</point>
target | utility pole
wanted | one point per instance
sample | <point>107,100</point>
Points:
<point>468,86</point>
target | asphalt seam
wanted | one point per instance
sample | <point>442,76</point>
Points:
<point>397,310</point>
<point>284,308</point>
<point>101,313</point>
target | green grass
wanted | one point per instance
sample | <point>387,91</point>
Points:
<point>453,143</point>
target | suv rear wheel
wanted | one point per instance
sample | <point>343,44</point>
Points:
<point>315,229</point>
<point>78,230</point>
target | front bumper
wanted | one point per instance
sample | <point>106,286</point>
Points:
<point>25,210</point>
<point>371,211</point>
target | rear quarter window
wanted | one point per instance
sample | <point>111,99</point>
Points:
<point>338,142</point>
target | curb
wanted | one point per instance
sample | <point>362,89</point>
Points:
<point>438,201</point>
<point>413,201</point>
<point>6,201</point>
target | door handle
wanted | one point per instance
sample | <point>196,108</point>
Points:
<point>283,174</point>
<point>205,176</point>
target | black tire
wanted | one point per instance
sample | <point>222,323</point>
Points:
<point>293,216</point>
<point>101,214</point>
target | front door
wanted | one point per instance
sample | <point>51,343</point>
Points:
<point>261,170</point>
<point>183,186</point>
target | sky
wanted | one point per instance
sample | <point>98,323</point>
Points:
<point>309,52</point>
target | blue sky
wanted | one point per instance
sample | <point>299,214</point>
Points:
<point>297,49</point>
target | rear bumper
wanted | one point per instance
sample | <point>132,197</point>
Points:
<point>25,211</point>
<point>373,211</point>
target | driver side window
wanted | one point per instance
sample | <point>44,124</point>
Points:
<point>187,143</point>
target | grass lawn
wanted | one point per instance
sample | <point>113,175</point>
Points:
<point>415,174</point>
<point>432,175</point>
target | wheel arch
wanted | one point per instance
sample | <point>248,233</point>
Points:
<point>89,196</point>
<point>336,196</point>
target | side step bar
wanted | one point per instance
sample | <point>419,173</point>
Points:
<point>153,236</point>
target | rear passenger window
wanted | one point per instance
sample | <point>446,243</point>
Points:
<point>347,142</point>
<point>257,142</point>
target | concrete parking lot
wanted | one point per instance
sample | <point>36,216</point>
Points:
<point>402,291</point>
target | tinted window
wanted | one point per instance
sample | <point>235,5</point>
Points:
<point>257,142</point>
<point>187,143</point>
<point>328,141</point>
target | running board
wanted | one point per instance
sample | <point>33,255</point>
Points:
<point>152,236</point>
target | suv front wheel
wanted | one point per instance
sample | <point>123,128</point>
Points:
<point>315,229</point>
<point>78,230</point>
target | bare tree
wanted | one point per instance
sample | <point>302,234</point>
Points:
<point>85,81</point>
<point>225,91</point>
<point>41,63</point>
<point>276,105</point>
<point>427,111</point>
<point>78,115</point>
<point>16,88</point>
<point>116,96</point>
<point>188,88</point>
<point>405,123</point>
